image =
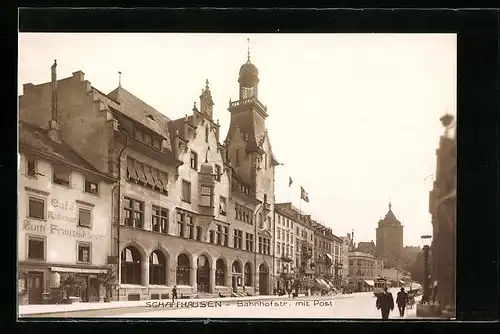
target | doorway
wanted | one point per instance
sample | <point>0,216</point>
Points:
<point>203,275</point>
<point>93,289</point>
<point>263,280</point>
<point>35,287</point>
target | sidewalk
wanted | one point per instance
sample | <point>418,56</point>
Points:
<point>82,308</point>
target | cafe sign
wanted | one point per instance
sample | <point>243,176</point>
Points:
<point>63,210</point>
<point>54,229</point>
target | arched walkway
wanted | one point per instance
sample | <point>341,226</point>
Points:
<point>263,279</point>
<point>237,279</point>
<point>203,274</point>
<point>157,268</point>
<point>183,270</point>
<point>130,266</point>
<point>220,273</point>
<point>248,274</point>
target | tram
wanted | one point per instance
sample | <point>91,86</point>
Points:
<point>378,285</point>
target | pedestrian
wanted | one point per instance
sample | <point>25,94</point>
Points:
<point>174,293</point>
<point>385,303</point>
<point>402,301</point>
<point>434,291</point>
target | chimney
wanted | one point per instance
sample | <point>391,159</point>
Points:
<point>54,124</point>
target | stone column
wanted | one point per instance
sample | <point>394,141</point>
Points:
<point>212,280</point>
<point>192,278</point>
<point>145,272</point>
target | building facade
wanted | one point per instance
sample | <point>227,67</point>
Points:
<point>64,217</point>
<point>442,207</point>
<point>323,250</point>
<point>390,239</point>
<point>285,255</point>
<point>362,271</point>
<point>187,210</point>
<point>345,260</point>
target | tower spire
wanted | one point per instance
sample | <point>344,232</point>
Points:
<point>248,47</point>
<point>390,204</point>
<point>119,78</point>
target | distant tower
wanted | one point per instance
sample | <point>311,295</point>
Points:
<point>390,239</point>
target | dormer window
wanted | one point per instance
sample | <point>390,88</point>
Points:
<point>194,160</point>
<point>150,117</point>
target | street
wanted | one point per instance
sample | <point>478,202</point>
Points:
<point>357,305</point>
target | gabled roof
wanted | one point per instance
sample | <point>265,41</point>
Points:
<point>138,110</point>
<point>37,139</point>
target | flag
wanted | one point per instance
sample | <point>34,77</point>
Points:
<point>289,181</point>
<point>303,195</point>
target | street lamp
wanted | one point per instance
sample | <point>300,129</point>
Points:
<point>426,242</point>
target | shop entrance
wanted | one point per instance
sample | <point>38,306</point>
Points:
<point>203,275</point>
<point>35,287</point>
<point>93,289</point>
<point>263,280</point>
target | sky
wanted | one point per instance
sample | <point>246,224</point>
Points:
<point>353,118</point>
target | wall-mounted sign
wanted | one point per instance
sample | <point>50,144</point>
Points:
<point>54,229</point>
<point>66,207</point>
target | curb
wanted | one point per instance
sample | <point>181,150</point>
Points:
<point>143,308</point>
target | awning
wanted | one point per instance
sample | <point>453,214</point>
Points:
<point>369,282</point>
<point>79,270</point>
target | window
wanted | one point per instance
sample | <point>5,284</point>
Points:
<point>237,156</point>
<point>84,217</point>
<point>147,139</point>
<point>218,173</point>
<point>220,273</point>
<point>278,248</point>
<point>185,223</point>
<point>206,196</point>
<point>206,134</point>
<point>138,135</point>
<point>219,234</point>
<point>61,176</point>
<point>91,186</point>
<point>194,160</point>
<point>249,242</point>
<point>212,236</point>
<point>149,176</point>
<point>36,248</point>
<point>159,220</point>
<point>163,181</point>
<point>139,168</point>
<point>260,244</point>
<point>222,206</point>
<point>134,212</point>
<point>36,208</point>
<point>130,266</point>
<point>157,268</point>
<point>238,239</point>
<point>198,233</point>
<point>183,270</point>
<point>84,251</point>
<point>226,236</point>
<point>186,191</point>
<point>131,172</point>
<point>156,143</point>
<point>31,167</point>
<point>248,274</point>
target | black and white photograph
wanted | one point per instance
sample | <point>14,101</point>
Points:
<point>259,176</point>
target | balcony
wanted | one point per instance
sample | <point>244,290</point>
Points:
<point>242,187</point>
<point>247,102</point>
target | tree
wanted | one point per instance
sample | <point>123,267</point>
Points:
<point>71,284</point>
<point>109,281</point>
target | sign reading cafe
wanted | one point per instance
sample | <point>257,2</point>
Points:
<point>66,207</point>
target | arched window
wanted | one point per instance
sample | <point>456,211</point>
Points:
<point>248,274</point>
<point>236,267</point>
<point>157,268</point>
<point>183,270</point>
<point>130,266</point>
<point>220,273</point>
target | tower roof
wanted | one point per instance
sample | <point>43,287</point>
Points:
<point>249,74</point>
<point>389,219</point>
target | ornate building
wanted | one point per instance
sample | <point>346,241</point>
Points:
<point>390,239</point>
<point>442,207</point>
<point>186,210</point>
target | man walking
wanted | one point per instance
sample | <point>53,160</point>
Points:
<point>385,303</point>
<point>174,293</point>
<point>402,300</point>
